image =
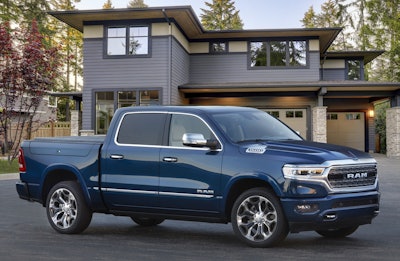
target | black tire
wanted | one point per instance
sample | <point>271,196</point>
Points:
<point>147,222</point>
<point>258,219</point>
<point>66,208</point>
<point>337,233</point>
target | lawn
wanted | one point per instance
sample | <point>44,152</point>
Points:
<point>5,167</point>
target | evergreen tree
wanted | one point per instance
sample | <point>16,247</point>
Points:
<point>333,14</point>
<point>310,18</point>
<point>384,24</point>
<point>221,15</point>
<point>108,5</point>
<point>137,4</point>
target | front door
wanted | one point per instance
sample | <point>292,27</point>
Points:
<point>189,176</point>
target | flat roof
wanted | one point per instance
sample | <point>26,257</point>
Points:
<point>188,22</point>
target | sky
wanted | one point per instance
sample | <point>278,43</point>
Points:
<point>255,14</point>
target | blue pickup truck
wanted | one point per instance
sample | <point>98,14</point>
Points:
<point>212,164</point>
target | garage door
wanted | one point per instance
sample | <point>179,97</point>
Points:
<point>294,118</point>
<point>347,129</point>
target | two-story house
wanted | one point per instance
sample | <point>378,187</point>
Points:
<point>163,56</point>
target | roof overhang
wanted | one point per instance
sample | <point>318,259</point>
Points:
<point>368,56</point>
<point>334,89</point>
<point>187,21</point>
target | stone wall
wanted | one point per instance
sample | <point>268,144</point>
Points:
<point>393,132</point>
<point>319,124</point>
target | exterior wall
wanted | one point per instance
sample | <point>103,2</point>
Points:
<point>333,74</point>
<point>333,70</point>
<point>122,73</point>
<point>393,132</point>
<point>233,67</point>
<point>179,71</point>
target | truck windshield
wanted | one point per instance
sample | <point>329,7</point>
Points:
<point>250,126</point>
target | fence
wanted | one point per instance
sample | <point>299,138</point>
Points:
<point>53,129</point>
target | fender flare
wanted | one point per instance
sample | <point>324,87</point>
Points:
<point>68,168</point>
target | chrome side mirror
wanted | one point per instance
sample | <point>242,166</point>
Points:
<point>198,140</point>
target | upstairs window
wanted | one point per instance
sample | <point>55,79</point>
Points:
<point>218,47</point>
<point>272,54</point>
<point>127,40</point>
<point>354,69</point>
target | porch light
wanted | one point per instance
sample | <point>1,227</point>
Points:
<point>371,113</point>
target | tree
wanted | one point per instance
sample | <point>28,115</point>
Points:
<point>310,18</point>
<point>108,5</point>
<point>221,15</point>
<point>71,45</point>
<point>334,14</point>
<point>384,24</point>
<point>137,4</point>
<point>28,69</point>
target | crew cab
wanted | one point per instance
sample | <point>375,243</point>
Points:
<point>208,163</point>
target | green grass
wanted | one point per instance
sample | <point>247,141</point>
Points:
<point>5,167</point>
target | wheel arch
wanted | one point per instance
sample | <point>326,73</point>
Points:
<point>241,183</point>
<point>58,173</point>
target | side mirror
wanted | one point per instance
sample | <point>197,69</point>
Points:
<point>198,140</point>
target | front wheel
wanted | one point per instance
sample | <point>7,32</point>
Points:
<point>258,219</point>
<point>337,233</point>
<point>66,208</point>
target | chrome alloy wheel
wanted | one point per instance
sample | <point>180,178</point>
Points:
<point>256,218</point>
<point>63,208</point>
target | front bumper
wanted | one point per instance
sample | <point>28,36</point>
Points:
<point>332,212</point>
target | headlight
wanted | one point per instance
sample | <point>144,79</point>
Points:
<point>291,171</point>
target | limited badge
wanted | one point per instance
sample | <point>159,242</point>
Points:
<point>256,149</point>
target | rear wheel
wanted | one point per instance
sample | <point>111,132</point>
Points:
<point>337,233</point>
<point>147,222</point>
<point>258,219</point>
<point>66,208</point>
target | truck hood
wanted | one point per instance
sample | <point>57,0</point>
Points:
<point>304,151</point>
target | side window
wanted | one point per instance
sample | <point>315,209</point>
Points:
<point>181,124</point>
<point>142,129</point>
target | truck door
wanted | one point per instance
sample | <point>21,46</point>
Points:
<point>130,164</point>
<point>189,176</point>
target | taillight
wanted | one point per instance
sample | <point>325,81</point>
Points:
<point>21,161</point>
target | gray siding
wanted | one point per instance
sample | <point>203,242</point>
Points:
<point>333,74</point>
<point>180,71</point>
<point>234,68</point>
<point>122,73</point>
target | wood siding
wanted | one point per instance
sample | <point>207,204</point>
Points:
<point>122,73</point>
<point>333,74</point>
<point>180,71</point>
<point>231,67</point>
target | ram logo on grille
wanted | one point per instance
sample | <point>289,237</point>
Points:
<point>357,175</point>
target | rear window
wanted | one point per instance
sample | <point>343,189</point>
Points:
<point>142,129</point>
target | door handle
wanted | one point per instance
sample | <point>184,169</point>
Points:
<point>116,156</point>
<point>170,159</point>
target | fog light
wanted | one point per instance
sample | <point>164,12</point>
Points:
<point>306,208</point>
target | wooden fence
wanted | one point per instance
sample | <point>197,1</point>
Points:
<point>53,129</point>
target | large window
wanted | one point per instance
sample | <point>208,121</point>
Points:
<point>127,40</point>
<point>354,70</point>
<point>106,103</point>
<point>104,111</point>
<point>274,54</point>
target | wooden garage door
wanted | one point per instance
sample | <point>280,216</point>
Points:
<point>294,118</point>
<point>347,129</point>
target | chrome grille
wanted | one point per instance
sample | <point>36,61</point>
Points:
<point>352,176</point>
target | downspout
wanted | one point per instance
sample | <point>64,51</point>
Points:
<point>169,57</point>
